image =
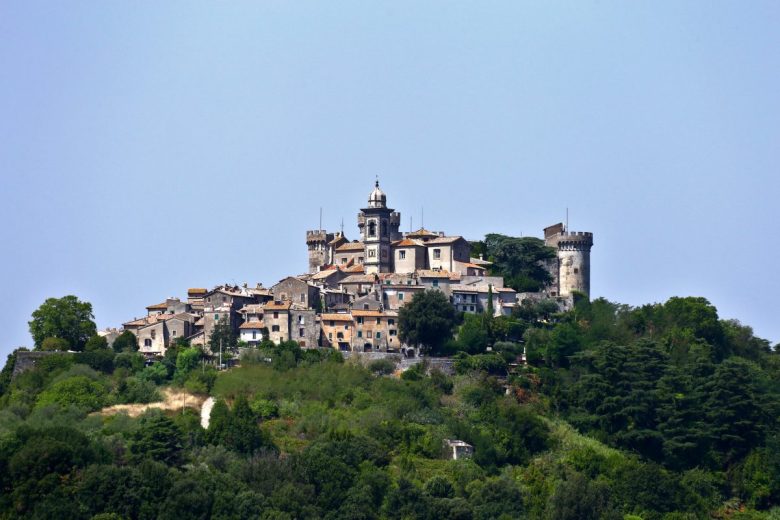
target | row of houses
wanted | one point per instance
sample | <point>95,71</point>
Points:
<point>333,308</point>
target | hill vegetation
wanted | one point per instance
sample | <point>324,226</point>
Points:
<point>659,412</point>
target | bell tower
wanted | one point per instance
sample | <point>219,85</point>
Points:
<point>378,227</point>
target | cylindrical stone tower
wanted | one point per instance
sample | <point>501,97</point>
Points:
<point>574,262</point>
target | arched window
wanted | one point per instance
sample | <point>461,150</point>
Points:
<point>372,228</point>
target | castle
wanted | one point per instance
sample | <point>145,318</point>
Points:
<point>382,248</point>
<point>350,296</point>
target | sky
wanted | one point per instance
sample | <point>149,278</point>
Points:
<point>148,147</point>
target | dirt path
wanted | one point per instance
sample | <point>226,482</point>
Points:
<point>173,399</point>
<point>205,412</point>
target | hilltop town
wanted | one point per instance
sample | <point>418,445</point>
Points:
<point>350,296</point>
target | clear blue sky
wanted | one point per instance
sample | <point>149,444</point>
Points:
<point>147,147</point>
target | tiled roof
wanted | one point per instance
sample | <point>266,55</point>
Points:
<point>475,266</point>
<point>324,274</point>
<point>427,273</point>
<point>351,246</point>
<point>355,269</point>
<point>192,291</point>
<point>358,278</point>
<point>336,317</point>
<point>443,240</point>
<point>479,261</point>
<point>422,232</point>
<point>156,306</point>
<point>252,325</point>
<point>408,242</point>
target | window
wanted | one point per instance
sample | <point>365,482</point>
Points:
<point>390,322</point>
<point>400,296</point>
<point>254,334</point>
<point>300,319</point>
<point>300,333</point>
<point>147,342</point>
<point>173,333</point>
<point>365,306</point>
<point>330,335</point>
<point>436,283</point>
<point>275,328</point>
<point>372,228</point>
<point>303,298</point>
<point>224,299</point>
<point>372,253</point>
<point>332,323</point>
<point>576,270</point>
<point>378,321</point>
<point>276,315</point>
<point>360,334</point>
<point>343,260</point>
<point>378,335</point>
<point>340,335</point>
<point>346,327</point>
<point>437,254</point>
<point>154,334</point>
<point>402,255</point>
<point>360,320</point>
<point>216,317</point>
<point>392,332</point>
<point>360,259</point>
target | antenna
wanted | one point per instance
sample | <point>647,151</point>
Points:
<point>320,218</point>
<point>410,224</point>
<point>567,219</point>
<point>342,226</point>
<point>422,217</point>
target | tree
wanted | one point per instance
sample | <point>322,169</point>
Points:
<point>157,438</point>
<point>427,321</point>
<point>125,342</point>
<point>66,318</point>
<point>519,260</point>
<point>96,343</point>
<point>223,336</point>
<point>54,345</point>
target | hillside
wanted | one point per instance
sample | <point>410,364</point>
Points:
<point>659,412</point>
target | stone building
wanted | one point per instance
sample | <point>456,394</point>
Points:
<point>297,291</point>
<point>571,269</point>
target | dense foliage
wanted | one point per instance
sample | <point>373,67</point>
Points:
<point>660,412</point>
<point>67,322</point>
<point>519,260</point>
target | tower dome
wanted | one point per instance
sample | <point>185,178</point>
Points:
<point>377,198</point>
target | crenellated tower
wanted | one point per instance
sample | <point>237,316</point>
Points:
<point>317,243</point>
<point>573,262</point>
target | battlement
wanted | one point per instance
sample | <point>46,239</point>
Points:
<point>575,241</point>
<point>316,235</point>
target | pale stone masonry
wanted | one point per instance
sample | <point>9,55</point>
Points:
<point>350,297</point>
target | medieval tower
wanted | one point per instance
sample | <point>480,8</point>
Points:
<point>572,272</point>
<point>379,225</point>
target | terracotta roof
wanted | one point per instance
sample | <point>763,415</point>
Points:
<point>363,313</point>
<point>351,246</point>
<point>355,269</point>
<point>324,274</point>
<point>422,232</point>
<point>196,290</point>
<point>444,240</point>
<point>408,242</point>
<point>342,238</point>
<point>399,286</point>
<point>278,306</point>
<point>163,306</point>
<point>475,266</point>
<point>505,289</point>
<point>358,278</point>
<point>252,325</point>
<point>148,320</point>
<point>427,273</point>
<point>336,317</point>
